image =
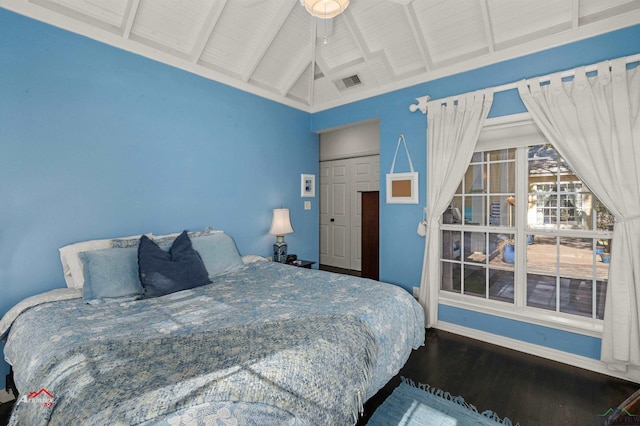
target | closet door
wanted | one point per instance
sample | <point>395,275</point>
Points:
<point>370,234</point>
<point>334,214</point>
<point>365,176</point>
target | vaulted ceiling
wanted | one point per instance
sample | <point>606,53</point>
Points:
<point>275,49</point>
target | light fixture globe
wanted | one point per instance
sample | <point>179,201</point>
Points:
<point>325,9</point>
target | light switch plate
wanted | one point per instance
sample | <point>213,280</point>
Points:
<point>307,205</point>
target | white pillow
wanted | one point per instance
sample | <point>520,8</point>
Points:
<point>169,238</point>
<point>253,258</point>
<point>71,264</point>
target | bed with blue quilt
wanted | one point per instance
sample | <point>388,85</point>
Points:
<point>253,342</point>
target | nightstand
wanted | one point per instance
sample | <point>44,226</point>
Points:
<point>302,263</point>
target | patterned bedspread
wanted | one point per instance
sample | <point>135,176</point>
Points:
<point>266,344</point>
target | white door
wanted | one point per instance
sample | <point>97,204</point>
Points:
<point>365,176</point>
<point>334,214</point>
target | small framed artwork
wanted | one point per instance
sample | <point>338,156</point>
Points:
<point>402,188</point>
<point>307,185</point>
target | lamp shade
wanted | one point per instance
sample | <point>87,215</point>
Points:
<point>325,9</point>
<point>281,223</point>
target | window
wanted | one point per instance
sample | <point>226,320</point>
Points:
<point>523,233</point>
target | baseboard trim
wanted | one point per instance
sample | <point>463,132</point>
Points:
<point>6,396</point>
<point>590,364</point>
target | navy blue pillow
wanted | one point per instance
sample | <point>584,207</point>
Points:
<point>163,272</point>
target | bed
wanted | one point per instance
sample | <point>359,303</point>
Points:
<point>259,343</point>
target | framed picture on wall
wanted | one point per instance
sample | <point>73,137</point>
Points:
<point>308,185</point>
<point>402,188</point>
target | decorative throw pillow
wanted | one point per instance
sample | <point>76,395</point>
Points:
<point>110,275</point>
<point>218,253</point>
<point>163,272</point>
<point>71,263</point>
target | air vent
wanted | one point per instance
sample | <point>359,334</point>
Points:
<point>348,82</point>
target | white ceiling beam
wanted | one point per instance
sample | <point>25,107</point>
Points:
<point>360,41</point>
<point>534,36</point>
<point>208,26</point>
<point>575,13</point>
<point>312,77</point>
<point>488,26</point>
<point>357,35</point>
<point>68,11</point>
<point>129,17</point>
<point>297,70</point>
<point>416,30</point>
<point>276,25</point>
<point>616,13</point>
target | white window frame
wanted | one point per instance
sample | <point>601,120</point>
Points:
<point>516,131</point>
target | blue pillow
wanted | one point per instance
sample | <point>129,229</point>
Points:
<point>218,252</point>
<point>163,272</point>
<point>110,274</point>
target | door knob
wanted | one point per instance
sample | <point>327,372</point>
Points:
<point>332,220</point>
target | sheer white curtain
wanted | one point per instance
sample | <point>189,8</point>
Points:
<point>594,123</point>
<point>453,127</point>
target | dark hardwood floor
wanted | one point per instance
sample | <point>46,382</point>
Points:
<point>339,270</point>
<point>525,388</point>
<point>5,412</point>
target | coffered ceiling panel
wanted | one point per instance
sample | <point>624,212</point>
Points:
<point>452,29</point>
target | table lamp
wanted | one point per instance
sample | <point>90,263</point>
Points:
<point>280,225</point>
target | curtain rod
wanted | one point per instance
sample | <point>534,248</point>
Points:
<point>422,101</point>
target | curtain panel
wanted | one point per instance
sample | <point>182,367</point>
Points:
<point>453,127</point>
<point>594,123</point>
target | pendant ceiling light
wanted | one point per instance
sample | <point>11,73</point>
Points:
<point>325,9</point>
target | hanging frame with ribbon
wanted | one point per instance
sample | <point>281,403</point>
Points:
<point>402,188</point>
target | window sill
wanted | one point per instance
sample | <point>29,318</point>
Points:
<point>556,320</point>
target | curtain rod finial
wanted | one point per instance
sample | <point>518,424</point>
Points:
<point>421,105</point>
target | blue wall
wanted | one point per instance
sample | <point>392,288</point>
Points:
<point>401,249</point>
<point>96,142</point>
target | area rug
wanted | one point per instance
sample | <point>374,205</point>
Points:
<point>417,404</point>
